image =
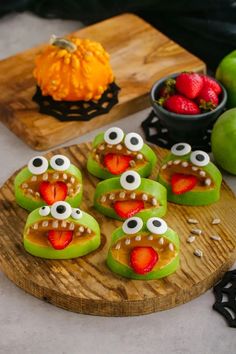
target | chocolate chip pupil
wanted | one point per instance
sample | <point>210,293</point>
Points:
<point>59,161</point>
<point>132,223</point>
<point>156,223</point>
<point>180,147</point>
<point>37,162</point>
<point>130,179</point>
<point>113,135</point>
<point>134,141</point>
<point>200,157</point>
<point>61,209</point>
<point>77,211</point>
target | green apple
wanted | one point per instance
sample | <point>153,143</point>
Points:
<point>223,141</point>
<point>226,74</point>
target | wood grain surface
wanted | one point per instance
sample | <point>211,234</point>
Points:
<point>140,55</point>
<point>87,286</point>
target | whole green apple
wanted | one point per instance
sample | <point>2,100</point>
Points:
<point>226,74</point>
<point>223,141</point>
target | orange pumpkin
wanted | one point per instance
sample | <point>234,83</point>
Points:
<point>73,69</point>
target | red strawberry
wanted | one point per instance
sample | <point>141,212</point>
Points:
<point>126,209</point>
<point>143,259</point>
<point>181,104</point>
<point>213,84</point>
<point>117,164</point>
<point>60,239</point>
<point>181,183</point>
<point>53,192</point>
<point>207,99</point>
<point>189,84</point>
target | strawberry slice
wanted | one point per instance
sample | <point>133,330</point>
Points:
<point>60,239</point>
<point>53,192</point>
<point>128,208</point>
<point>117,164</point>
<point>143,259</point>
<point>181,183</point>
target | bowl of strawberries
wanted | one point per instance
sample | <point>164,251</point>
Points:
<point>187,104</point>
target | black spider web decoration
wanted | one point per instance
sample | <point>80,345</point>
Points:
<point>77,110</point>
<point>226,288</point>
<point>156,133</point>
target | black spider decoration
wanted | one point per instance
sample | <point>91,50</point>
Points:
<point>77,110</point>
<point>156,133</point>
<point>226,288</point>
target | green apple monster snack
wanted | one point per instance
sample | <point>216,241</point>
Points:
<point>144,249</point>
<point>60,232</point>
<point>45,182</point>
<point>190,177</point>
<point>114,153</point>
<point>124,196</point>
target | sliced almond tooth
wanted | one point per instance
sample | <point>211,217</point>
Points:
<point>55,175</point>
<point>171,247</point>
<point>215,237</point>
<point>117,247</point>
<point>55,224</point>
<point>122,195</point>
<point>169,163</point>
<point>71,226</point>
<point>207,182</point>
<point>164,167</point>
<point>132,163</point>
<point>63,223</point>
<point>37,194</point>
<point>184,164</point>
<point>109,146</point>
<point>133,195</point>
<point>97,157</point>
<point>112,196</point>
<point>89,231</point>
<point>119,147</point>
<point>101,147</point>
<point>45,223</point>
<point>45,177</point>
<point>176,162</point>
<point>150,238</point>
<point>103,199</point>
<point>127,241</point>
<point>33,178</point>
<point>197,232</point>
<point>35,226</point>
<point>202,173</point>
<point>30,191</point>
<point>128,152</point>
<point>144,197</point>
<point>138,238</point>
<point>154,201</point>
<point>192,221</point>
<point>194,168</point>
<point>81,228</point>
<point>139,157</point>
<point>191,239</point>
<point>215,221</point>
<point>71,191</point>
<point>25,185</point>
<point>65,176</point>
<point>161,241</point>
<point>72,180</point>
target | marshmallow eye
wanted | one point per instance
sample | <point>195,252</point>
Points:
<point>132,225</point>
<point>133,142</point>
<point>199,158</point>
<point>61,210</point>
<point>44,210</point>
<point>181,149</point>
<point>60,162</point>
<point>76,213</point>
<point>114,136</point>
<point>38,165</point>
<point>157,226</point>
<point>130,180</point>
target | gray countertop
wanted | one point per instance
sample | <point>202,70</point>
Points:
<point>30,326</point>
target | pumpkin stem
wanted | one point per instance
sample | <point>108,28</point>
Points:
<point>63,43</point>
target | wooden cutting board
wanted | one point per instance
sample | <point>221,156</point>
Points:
<point>140,55</point>
<point>87,286</point>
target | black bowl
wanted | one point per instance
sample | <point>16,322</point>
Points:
<point>184,127</point>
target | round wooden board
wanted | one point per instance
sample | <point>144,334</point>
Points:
<point>87,286</point>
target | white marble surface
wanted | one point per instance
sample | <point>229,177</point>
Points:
<point>30,326</point>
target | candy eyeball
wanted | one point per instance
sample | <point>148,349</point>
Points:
<point>181,149</point>
<point>76,213</point>
<point>44,210</point>
<point>157,226</point>
<point>134,142</point>
<point>114,136</point>
<point>60,162</point>
<point>132,225</point>
<point>38,165</point>
<point>199,158</point>
<point>61,210</point>
<point>130,180</point>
